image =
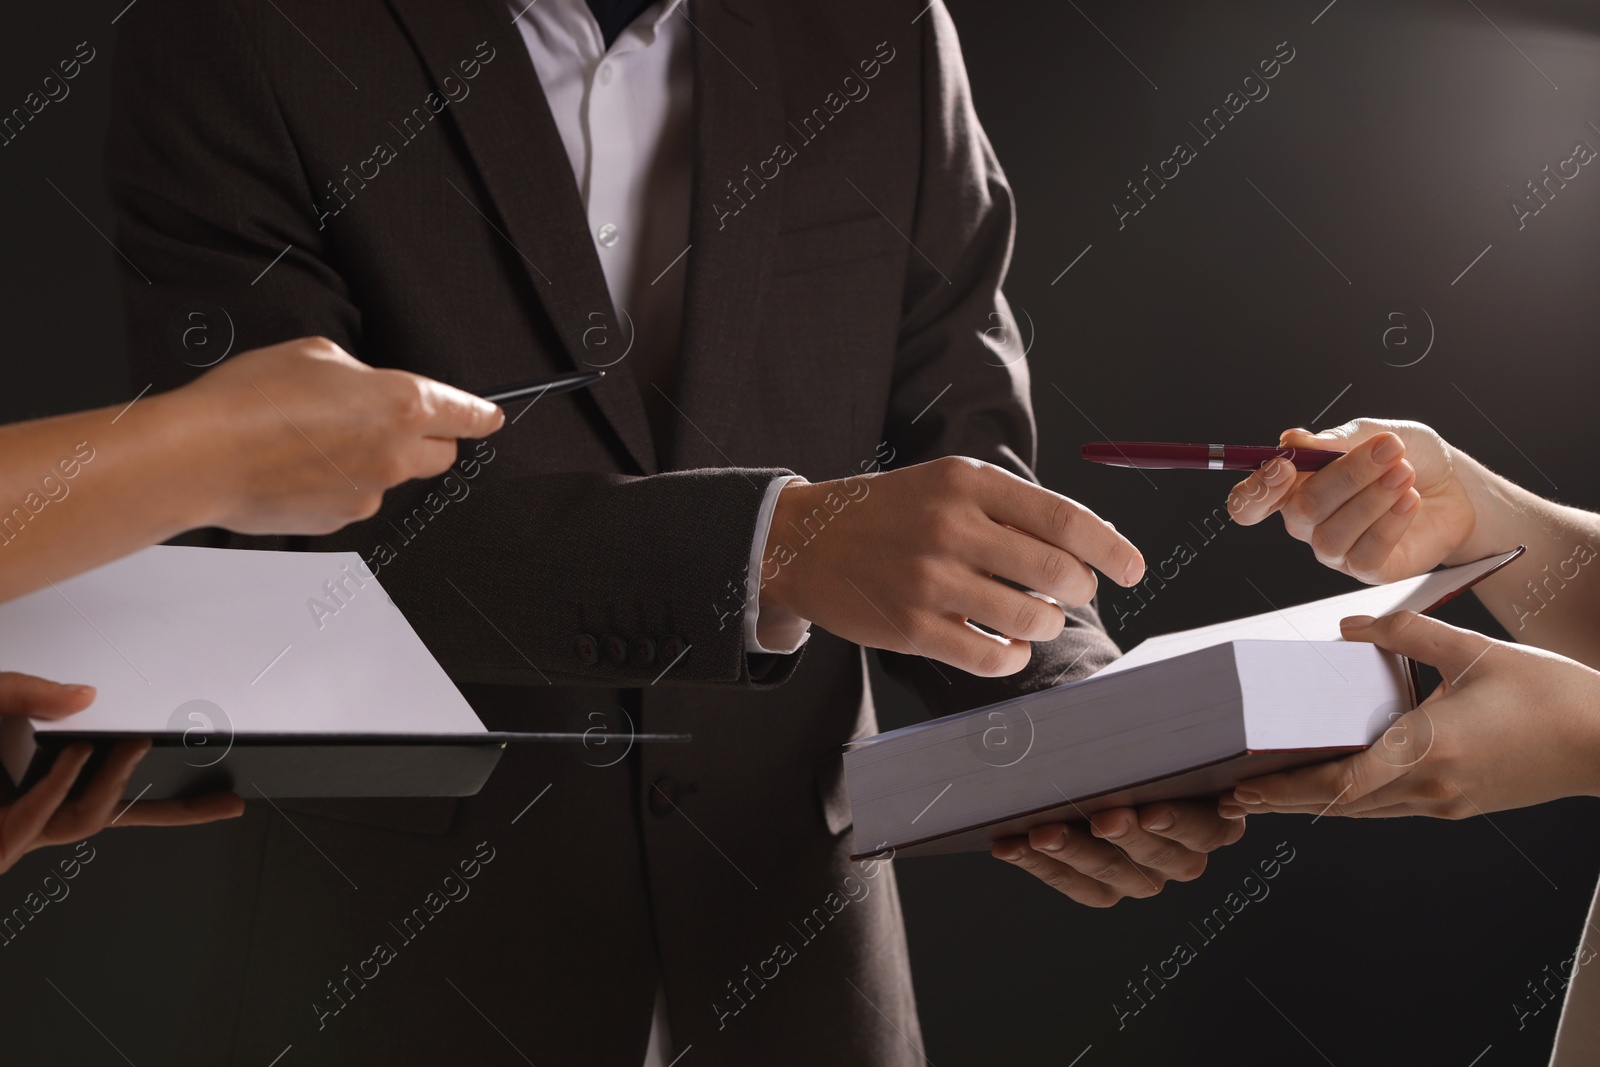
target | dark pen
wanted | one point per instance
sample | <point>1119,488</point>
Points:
<point>561,383</point>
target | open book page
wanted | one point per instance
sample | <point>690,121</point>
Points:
<point>1318,620</point>
<point>278,642</point>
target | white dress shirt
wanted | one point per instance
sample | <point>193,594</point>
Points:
<point>626,118</point>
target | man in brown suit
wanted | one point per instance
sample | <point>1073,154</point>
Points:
<point>390,174</point>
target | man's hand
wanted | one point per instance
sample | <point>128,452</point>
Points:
<point>1508,727</point>
<point>44,816</point>
<point>1123,852</point>
<point>304,438</point>
<point>907,560</point>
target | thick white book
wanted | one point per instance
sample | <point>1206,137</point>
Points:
<point>1187,714</point>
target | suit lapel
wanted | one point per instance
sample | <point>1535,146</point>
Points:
<point>513,141</point>
<point>738,120</point>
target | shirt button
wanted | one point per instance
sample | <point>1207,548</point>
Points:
<point>604,74</point>
<point>607,235</point>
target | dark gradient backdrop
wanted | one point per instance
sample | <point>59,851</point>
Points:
<point>1251,293</point>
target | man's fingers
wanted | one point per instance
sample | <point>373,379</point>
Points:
<point>1039,565</point>
<point>191,811</point>
<point>1449,649</point>
<point>1122,852</point>
<point>1171,858</point>
<point>1058,876</point>
<point>1062,522</point>
<point>1101,861</point>
<point>949,639</point>
<point>1191,823</point>
<point>24,694</point>
<point>1010,611</point>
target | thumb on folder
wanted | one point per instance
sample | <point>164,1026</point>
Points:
<point>48,815</point>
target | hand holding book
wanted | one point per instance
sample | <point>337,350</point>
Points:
<point>1125,852</point>
<point>1510,726</point>
<point>43,815</point>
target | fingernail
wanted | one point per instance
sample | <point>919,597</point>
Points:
<point>1406,503</point>
<point>1163,823</point>
<point>1247,796</point>
<point>1057,844</point>
<point>1231,811</point>
<point>1011,854</point>
<point>1356,622</point>
<point>1114,832</point>
<point>81,689</point>
<point>1301,430</point>
<point>1396,477</point>
<point>1135,569</point>
<point>1277,472</point>
<point>1387,450</point>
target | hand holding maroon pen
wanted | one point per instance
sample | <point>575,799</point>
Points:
<point>1399,502</point>
<point>1377,499</point>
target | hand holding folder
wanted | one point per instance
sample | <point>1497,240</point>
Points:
<point>46,815</point>
<point>229,664</point>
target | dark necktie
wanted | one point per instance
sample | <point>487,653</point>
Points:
<point>615,15</point>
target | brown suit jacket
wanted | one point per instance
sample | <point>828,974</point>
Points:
<point>387,173</point>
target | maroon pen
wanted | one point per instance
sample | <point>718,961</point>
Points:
<point>1167,455</point>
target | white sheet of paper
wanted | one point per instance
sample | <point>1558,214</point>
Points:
<point>1316,621</point>
<point>239,629</point>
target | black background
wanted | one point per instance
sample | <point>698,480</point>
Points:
<point>1395,141</point>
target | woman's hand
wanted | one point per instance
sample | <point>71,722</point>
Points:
<point>1508,727</point>
<point>1400,502</point>
<point>45,816</point>
<point>303,438</point>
